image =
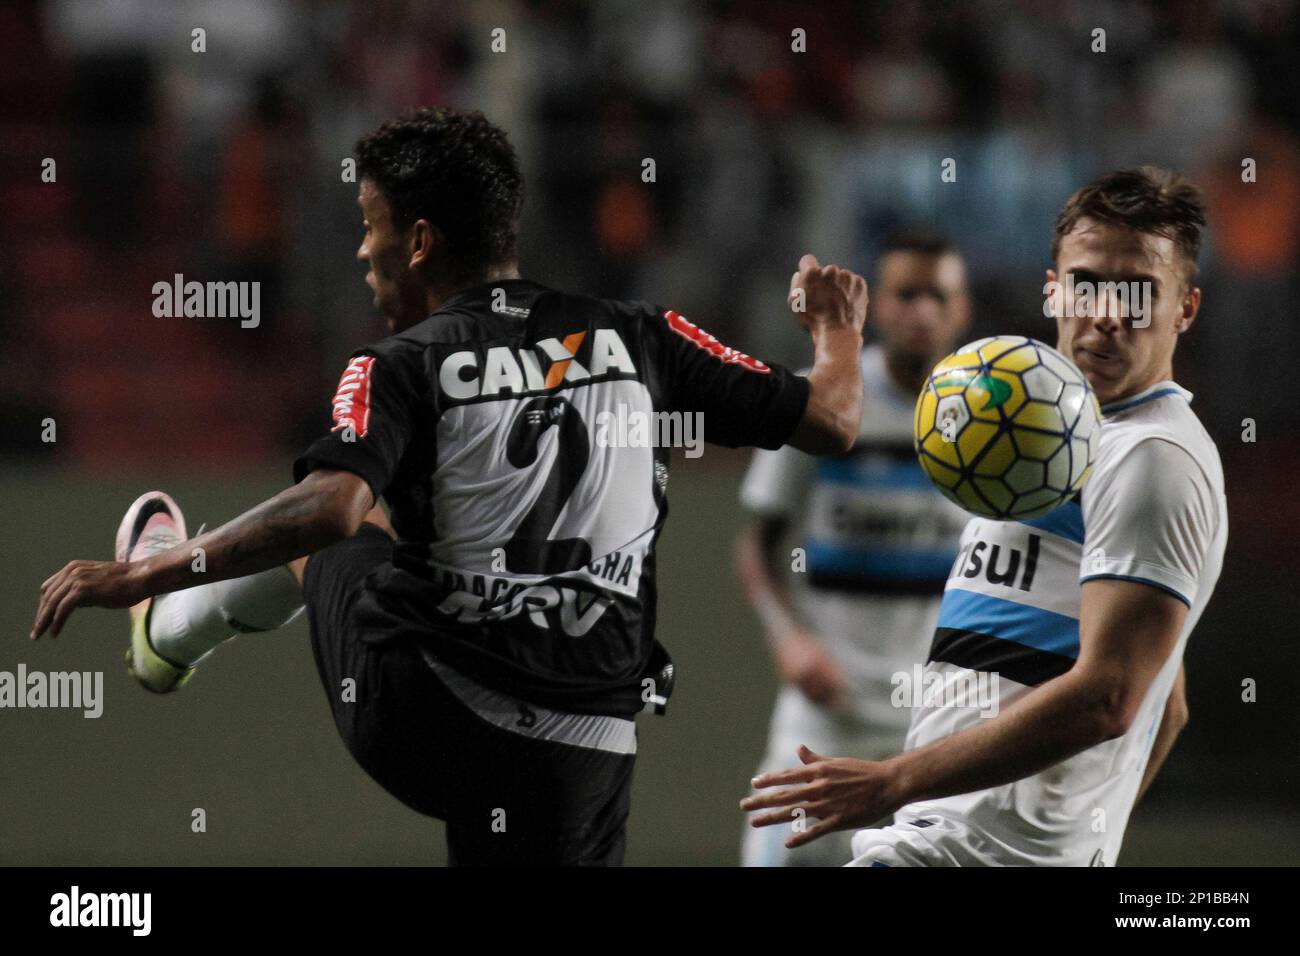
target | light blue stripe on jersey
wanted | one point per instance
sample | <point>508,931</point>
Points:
<point>895,564</point>
<point>1065,522</point>
<point>1011,621</point>
<point>1123,406</point>
<point>877,475</point>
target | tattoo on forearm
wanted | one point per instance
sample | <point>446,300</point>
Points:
<point>293,523</point>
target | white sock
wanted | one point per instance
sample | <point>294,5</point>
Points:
<point>185,626</point>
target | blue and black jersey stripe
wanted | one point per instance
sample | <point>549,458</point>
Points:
<point>877,570</point>
<point>1029,645</point>
<point>864,567</point>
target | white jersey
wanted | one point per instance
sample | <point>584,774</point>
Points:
<point>878,541</point>
<point>1153,511</point>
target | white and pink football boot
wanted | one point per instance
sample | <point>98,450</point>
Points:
<point>152,524</point>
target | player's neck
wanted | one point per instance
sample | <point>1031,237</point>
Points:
<point>908,372</point>
<point>1147,382</point>
<point>439,293</point>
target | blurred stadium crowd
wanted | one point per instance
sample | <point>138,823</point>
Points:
<point>226,165</point>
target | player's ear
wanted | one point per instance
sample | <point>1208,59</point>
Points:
<point>426,243</point>
<point>1191,307</point>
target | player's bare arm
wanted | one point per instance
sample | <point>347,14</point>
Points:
<point>1172,721</point>
<point>831,303</point>
<point>1126,632</point>
<point>327,506</point>
<point>800,657</point>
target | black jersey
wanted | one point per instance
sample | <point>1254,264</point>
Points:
<point>526,536</point>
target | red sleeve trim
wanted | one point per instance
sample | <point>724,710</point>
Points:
<point>352,400</point>
<point>703,340</point>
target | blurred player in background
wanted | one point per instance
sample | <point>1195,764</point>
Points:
<point>484,653</point>
<point>877,540</point>
<point>1089,651</point>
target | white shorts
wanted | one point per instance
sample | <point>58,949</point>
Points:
<point>797,720</point>
<point>923,842</point>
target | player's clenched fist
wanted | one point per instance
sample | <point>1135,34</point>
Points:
<point>827,295</point>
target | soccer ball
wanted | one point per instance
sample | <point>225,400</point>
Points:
<point>1007,427</point>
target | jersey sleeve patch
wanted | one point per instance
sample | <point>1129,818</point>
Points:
<point>352,400</point>
<point>706,342</point>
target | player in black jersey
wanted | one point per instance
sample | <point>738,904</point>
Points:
<point>484,646</point>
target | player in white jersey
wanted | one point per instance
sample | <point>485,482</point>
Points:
<point>1075,622</point>
<point>876,539</point>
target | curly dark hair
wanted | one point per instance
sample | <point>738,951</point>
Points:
<point>1147,199</point>
<point>456,170</point>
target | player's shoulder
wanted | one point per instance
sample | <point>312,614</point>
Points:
<point>401,354</point>
<point>398,357</point>
<point>660,329</point>
<point>1156,436</point>
<point>1155,449</point>
<point>476,315</point>
<point>632,318</point>
<point>635,309</point>
<point>640,315</point>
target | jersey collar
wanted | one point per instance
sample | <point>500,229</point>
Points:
<point>1156,391</point>
<point>484,291</point>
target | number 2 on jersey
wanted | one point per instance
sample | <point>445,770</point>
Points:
<point>531,550</point>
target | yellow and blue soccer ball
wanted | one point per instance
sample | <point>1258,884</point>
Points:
<point>1007,427</point>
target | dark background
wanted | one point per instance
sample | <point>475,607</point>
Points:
<point>225,165</point>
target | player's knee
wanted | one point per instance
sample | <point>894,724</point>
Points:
<point>376,517</point>
<point>298,567</point>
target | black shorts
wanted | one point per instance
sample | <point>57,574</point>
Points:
<point>509,796</point>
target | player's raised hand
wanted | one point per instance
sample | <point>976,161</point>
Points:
<point>86,584</point>
<point>827,295</point>
<point>841,793</point>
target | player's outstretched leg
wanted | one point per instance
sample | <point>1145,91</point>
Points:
<point>171,633</point>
